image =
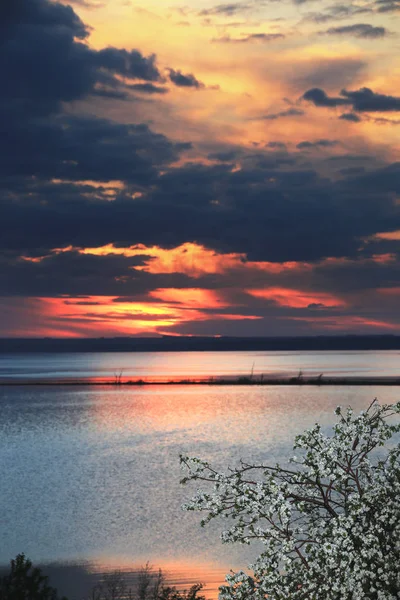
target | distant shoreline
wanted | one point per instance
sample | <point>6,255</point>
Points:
<point>258,380</point>
<point>201,344</point>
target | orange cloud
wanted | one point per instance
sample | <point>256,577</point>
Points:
<point>394,291</point>
<point>384,259</point>
<point>32,259</point>
<point>191,298</point>
<point>193,260</point>
<point>296,298</point>
<point>190,259</point>
<point>388,235</point>
<point>103,316</point>
<point>347,323</point>
<point>107,316</point>
<point>375,258</point>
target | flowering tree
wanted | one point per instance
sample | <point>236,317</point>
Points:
<point>329,521</point>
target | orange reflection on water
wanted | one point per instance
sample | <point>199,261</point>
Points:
<point>160,409</point>
<point>178,413</point>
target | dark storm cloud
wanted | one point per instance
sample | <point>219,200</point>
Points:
<point>291,214</point>
<point>359,160</point>
<point>78,148</point>
<point>87,4</point>
<point>353,276</point>
<point>351,171</point>
<point>363,100</point>
<point>383,6</point>
<point>234,8</point>
<point>270,160</point>
<point>16,13</point>
<point>290,112</point>
<point>386,179</point>
<point>112,94</point>
<point>369,101</point>
<point>350,117</point>
<point>274,208</point>
<point>277,145</point>
<point>320,98</point>
<point>44,66</point>
<point>376,246</point>
<point>228,156</point>
<point>230,9</point>
<point>253,37</point>
<point>78,274</point>
<point>148,88</point>
<point>130,64</point>
<point>186,81</point>
<point>45,61</point>
<point>337,12</point>
<point>317,144</point>
<point>383,121</point>
<point>360,30</point>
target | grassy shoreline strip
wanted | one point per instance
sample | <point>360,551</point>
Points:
<point>240,381</point>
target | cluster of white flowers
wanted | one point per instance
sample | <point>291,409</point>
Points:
<point>329,522</point>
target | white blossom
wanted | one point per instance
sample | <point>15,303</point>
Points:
<point>329,522</point>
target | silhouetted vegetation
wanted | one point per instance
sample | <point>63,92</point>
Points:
<point>251,379</point>
<point>150,584</point>
<point>25,582</point>
<point>118,377</point>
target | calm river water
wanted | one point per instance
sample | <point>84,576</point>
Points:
<point>174,365</point>
<point>90,475</point>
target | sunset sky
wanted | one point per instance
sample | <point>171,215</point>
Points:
<point>199,168</point>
